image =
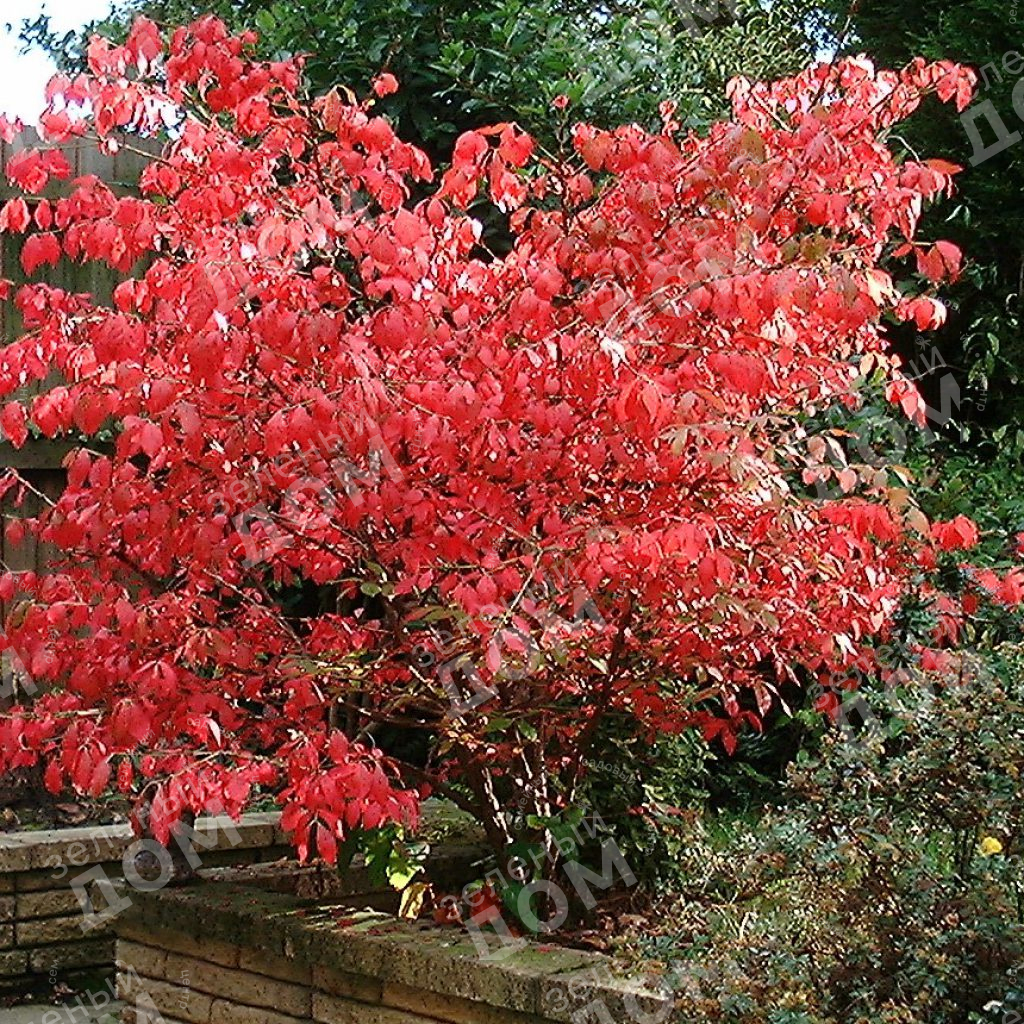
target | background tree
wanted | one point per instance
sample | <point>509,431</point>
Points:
<point>467,63</point>
<point>983,340</point>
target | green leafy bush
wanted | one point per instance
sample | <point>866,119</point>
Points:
<point>888,888</point>
<point>644,791</point>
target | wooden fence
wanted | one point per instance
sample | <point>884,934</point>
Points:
<point>39,461</point>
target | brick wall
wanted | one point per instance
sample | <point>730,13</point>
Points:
<point>45,937</point>
<point>262,957</point>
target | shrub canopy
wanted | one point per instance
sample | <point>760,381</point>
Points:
<point>367,475</point>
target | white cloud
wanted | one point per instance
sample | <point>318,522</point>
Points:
<point>24,76</point>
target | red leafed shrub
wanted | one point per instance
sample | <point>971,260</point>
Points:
<point>367,475</point>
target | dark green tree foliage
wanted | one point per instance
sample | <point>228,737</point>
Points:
<point>466,63</point>
<point>983,341</point>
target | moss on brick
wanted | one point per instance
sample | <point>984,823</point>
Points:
<point>334,937</point>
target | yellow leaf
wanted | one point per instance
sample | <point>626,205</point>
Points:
<point>413,895</point>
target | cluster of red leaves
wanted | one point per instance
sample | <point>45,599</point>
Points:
<point>606,401</point>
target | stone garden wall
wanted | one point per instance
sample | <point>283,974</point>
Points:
<point>273,958</point>
<point>53,885</point>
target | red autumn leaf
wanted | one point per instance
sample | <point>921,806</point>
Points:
<point>10,130</point>
<point>951,258</point>
<point>959,534</point>
<point>43,215</point>
<point>151,438</point>
<point>130,724</point>
<point>99,778</point>
<point>14,216</point>
<point>39,249</point>
<point>326,845</point>
<point>12,421</point>
<point>385,84</point>
<point>55,163</point>
<point>53,778</point>
<point>14,532</point>
<point>144,42</point>
<point>25,169</point>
